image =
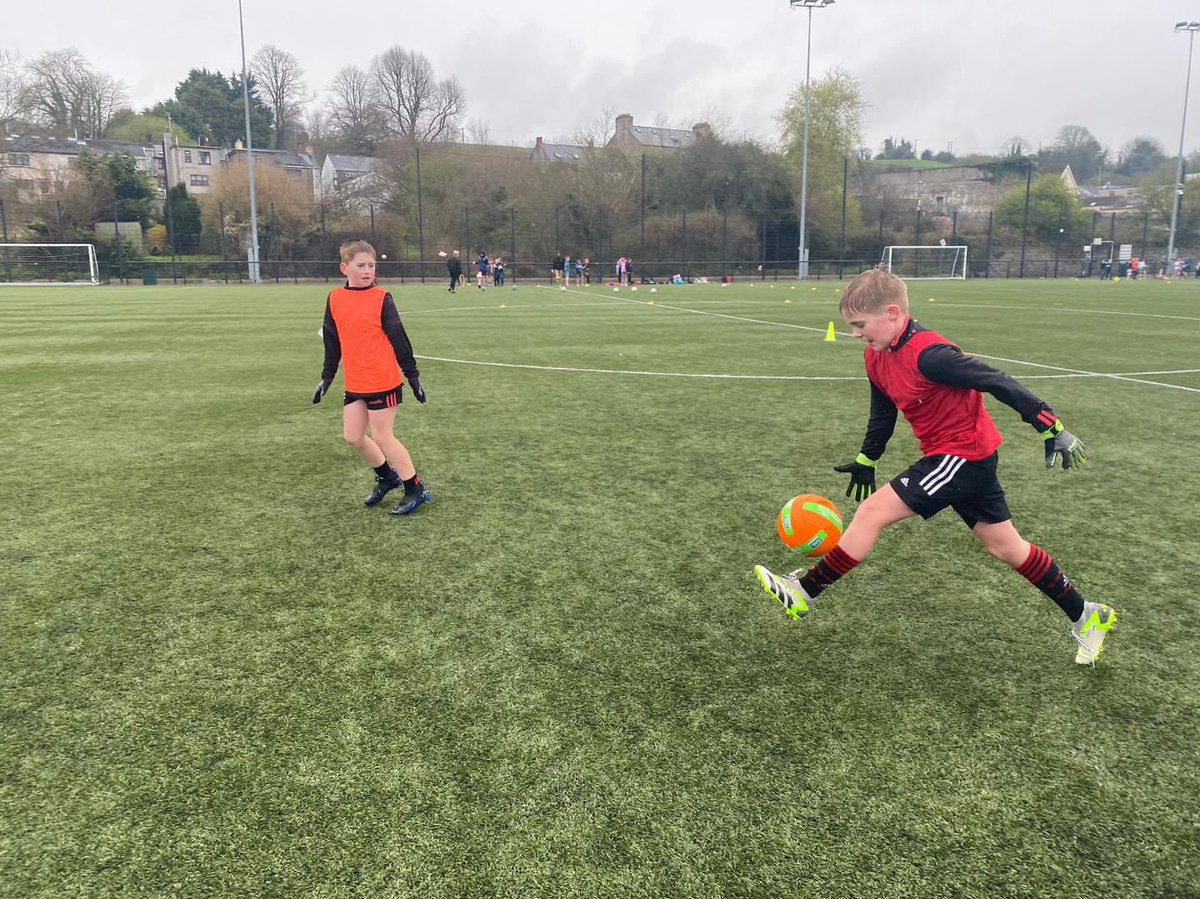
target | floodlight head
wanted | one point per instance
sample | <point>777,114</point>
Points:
<point>1187,26</point>
<point>811,4</point>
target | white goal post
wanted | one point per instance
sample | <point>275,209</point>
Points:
<point>926,263</point>
<point>48,264</point>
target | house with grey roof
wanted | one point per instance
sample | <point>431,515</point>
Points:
<point>298,165</point>
<point>354,181</point>
<point>191,166</point>
<point>564,153</point>
<point>38,166</point>
<point>637,139</point>
<point>1104,198</point>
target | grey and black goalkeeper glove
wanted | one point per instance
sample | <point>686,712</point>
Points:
<point>322,389</point>
<point>862,477</point>
<point>418,392</point>
<point>1061,442</point>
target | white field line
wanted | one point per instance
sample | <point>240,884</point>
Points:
<point>653,374</point>
<point>728,377</point>
<point>1181,318</point>
<point>1062,372</point>
<point>1057,368</point>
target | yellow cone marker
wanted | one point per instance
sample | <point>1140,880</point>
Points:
<point>787,301</point>
<point>503,305</point>
<point>830,334</point>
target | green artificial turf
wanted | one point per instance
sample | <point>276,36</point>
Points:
<point>222,676</point>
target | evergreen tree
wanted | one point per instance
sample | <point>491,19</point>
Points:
<point>211,106</point>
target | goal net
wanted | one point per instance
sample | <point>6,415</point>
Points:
<point>48,264</point>
<point>918,263</point>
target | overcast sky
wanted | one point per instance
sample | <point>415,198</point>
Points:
<point>965,73</point>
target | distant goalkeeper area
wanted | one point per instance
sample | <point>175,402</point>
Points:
<point>44,264</point>
<point>926,263</point>
<point>562,678</point>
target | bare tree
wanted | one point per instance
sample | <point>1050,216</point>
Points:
<point>10,90</point>
<point>415,105</point>
<point>280,79</point>
<point>479,131</point>
<point>102,98</point>
<point>1016,146</point>
<point>599,131</point>
<point>351,113</point>
<point>720,122</point>
<point>62,92</point>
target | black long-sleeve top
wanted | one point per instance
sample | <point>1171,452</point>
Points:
<point>945,363</point>
<point>389,321</point>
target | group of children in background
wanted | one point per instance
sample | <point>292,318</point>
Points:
<point>488,272</point>
<point>561,268</point>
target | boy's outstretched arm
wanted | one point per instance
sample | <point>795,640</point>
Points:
<point>880,427</point>
<point>947,364</point>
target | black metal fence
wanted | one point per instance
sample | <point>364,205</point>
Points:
<point>295,271</point>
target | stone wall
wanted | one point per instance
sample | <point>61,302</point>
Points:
<point>964,188</point>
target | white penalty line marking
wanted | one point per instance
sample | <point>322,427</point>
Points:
<point>736,318</point>
<point>1064,372</point>
<point>1059,368</point>
<point>1180,318</point>
<point>717,376</point>
<point>653,374</point>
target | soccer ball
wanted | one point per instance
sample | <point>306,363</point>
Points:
<point>809,524</point>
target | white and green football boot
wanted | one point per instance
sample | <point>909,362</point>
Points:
<point>1091,629</point>
<point>786,590</point>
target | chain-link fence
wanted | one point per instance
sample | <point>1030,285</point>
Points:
<point>600,209</point>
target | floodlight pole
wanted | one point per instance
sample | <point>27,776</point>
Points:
<point>254,270</point>
<point>810,5</point>
<point>1191,28</point>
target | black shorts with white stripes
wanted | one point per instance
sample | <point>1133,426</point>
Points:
<point>970,488</point>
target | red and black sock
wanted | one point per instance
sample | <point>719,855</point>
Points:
<point>1041,571</point>
<point>386,471</point>
<point>827,571</point>
<point>412,485</point>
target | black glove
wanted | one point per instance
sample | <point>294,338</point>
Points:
<point>322,389</point>
<point>1061,442</point>
<point>862,477</point>
<point>418,392</point>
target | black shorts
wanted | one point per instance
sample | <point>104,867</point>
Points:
<point>384,400</point>
<point>970,488</point>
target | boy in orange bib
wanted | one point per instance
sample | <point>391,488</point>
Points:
<point>362,329</point>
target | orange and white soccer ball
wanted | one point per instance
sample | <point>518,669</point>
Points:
<point>809,524</point>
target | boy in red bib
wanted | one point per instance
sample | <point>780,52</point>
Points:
<point>363,330</point>
<point>939,390</point>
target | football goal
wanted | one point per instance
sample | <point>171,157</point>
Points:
<point>55,264</point>
<point>919,263</point>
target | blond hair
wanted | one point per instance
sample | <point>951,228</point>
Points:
<point>352,248</point>
<point>872,291</point>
